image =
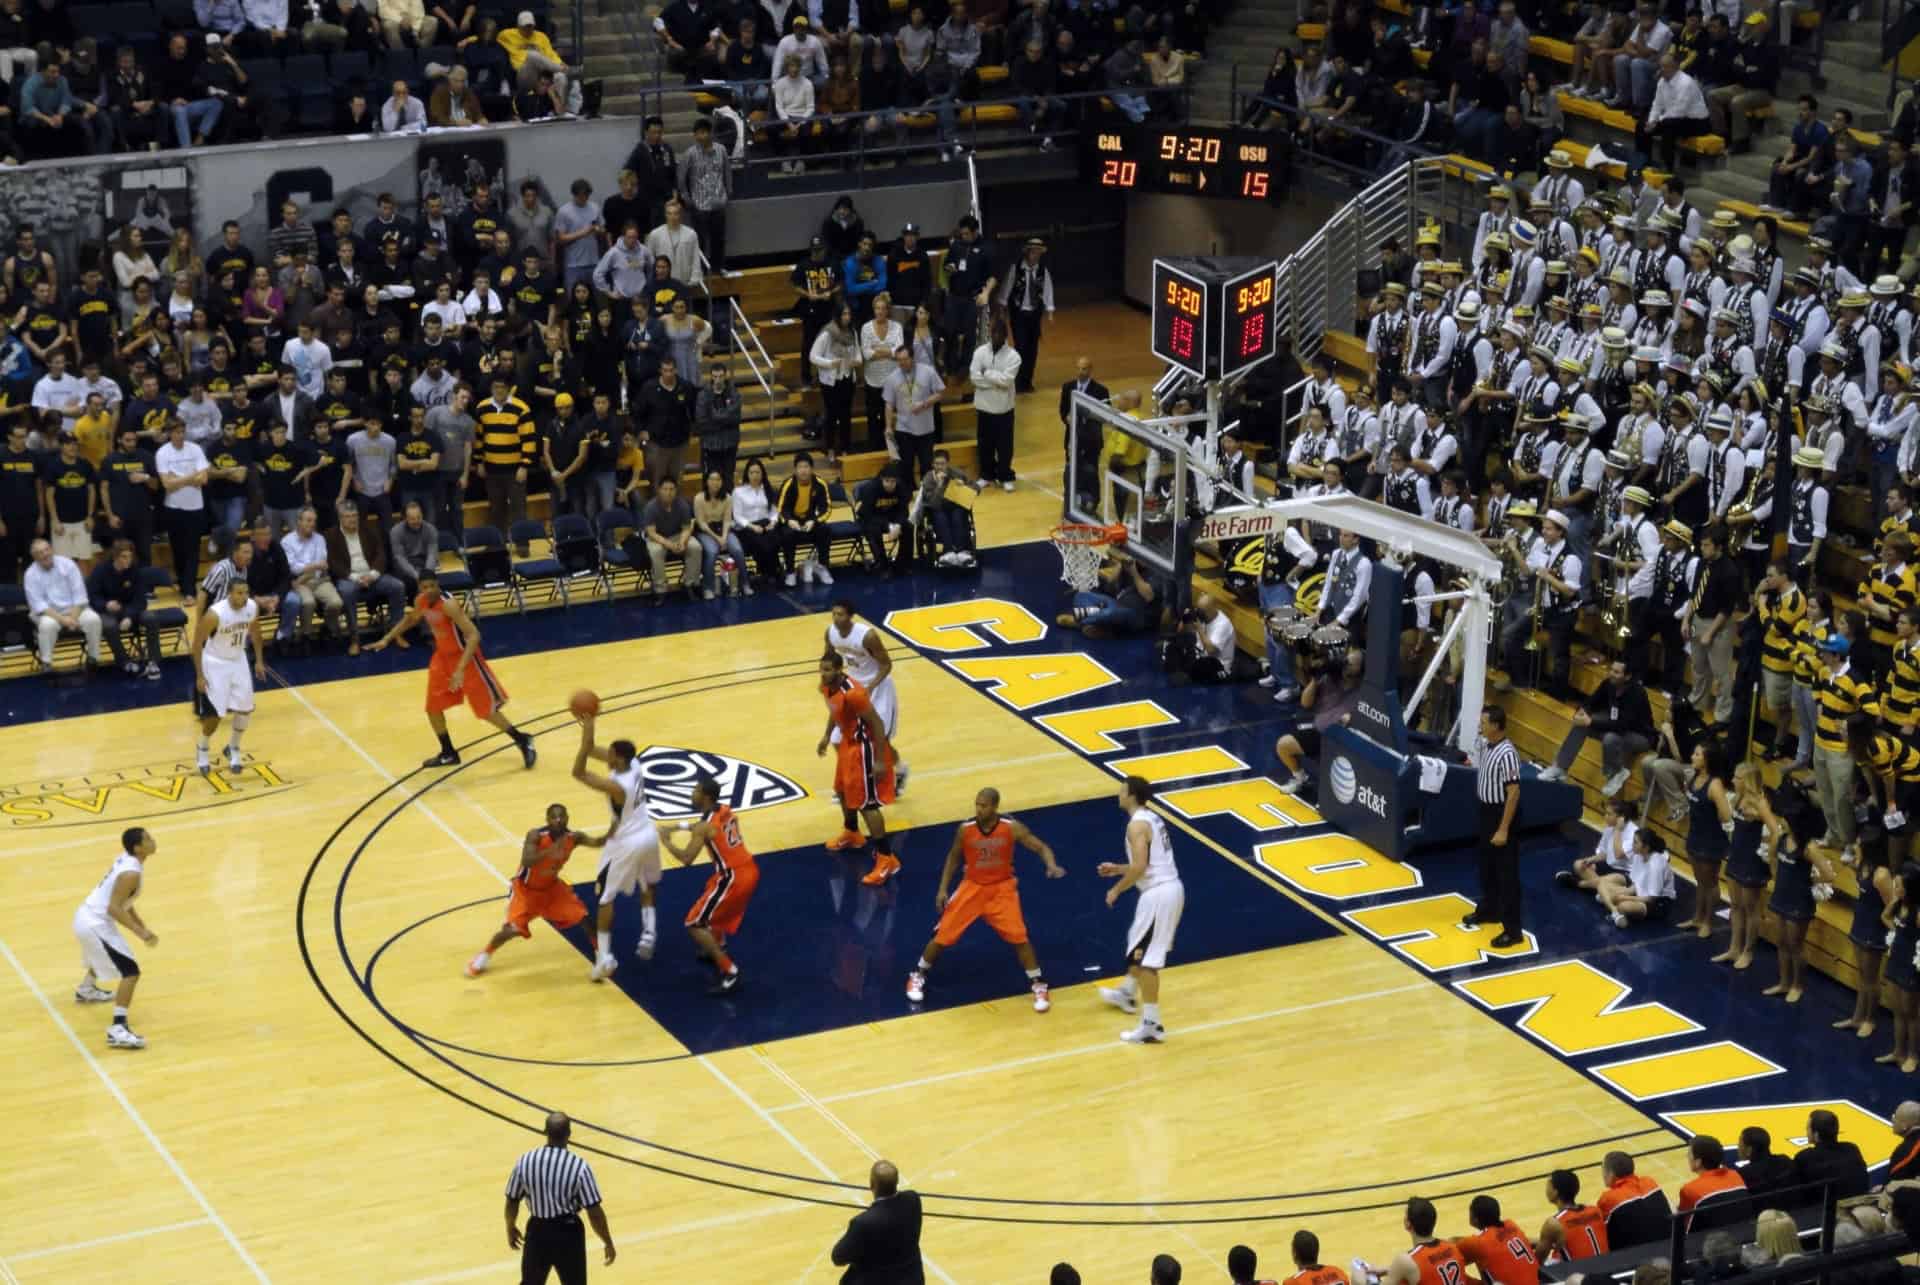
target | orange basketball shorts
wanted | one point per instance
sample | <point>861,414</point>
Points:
<point>479,690</point>
<point>997,903</point>
<point>862,778</point>
<point>723,903</point>
<point>555,903</point>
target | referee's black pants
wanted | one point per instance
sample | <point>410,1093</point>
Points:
<point>557,1245</point>
<point>1499,872</point>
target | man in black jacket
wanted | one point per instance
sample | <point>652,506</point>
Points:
<point>882,1242</point>
<point>1765,1173</point>
<point>113,590</point>
<point>1619,714</point>
<point>1752,80</point>
<point>1086,451</point>
<point>1829,1160</point>
<point>909,277</point>
<point>1896,201</point>
<point>663,412</point>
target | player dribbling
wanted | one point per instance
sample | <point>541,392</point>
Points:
<point>1156,914</point>
<point>987,891</point>
<point>717,912</point>
<point>630,852</point>
<point>538,890</point>
<point>222,682</point>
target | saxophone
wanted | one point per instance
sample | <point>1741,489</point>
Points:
<point>1631,443</point>
<point>1744,506</point>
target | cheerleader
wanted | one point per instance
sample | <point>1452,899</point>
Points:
<point>1796,862</point>
<point>1709,817</point>
<point>1878,888</point>
<point>1746,865</point>
<point>1902,922</point>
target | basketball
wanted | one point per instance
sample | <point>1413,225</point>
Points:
<point>584,704</point>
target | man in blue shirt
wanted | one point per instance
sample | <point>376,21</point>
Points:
<point>1852,185</point>
<point>49,116</point>
<point>1787,191</point>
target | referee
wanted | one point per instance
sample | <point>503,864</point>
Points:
<point>1497,784</point>
<point>557,1185</point>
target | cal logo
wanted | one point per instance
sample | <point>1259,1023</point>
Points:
<point>668,774</point>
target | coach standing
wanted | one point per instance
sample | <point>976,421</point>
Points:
<point>882,1242</point>
<point>1497,785</point>
<point>557,1185</point>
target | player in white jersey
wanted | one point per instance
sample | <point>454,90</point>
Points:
<point>630,851</point>
<point>97,924</point>
<point>860,646</point>
<point>222,683</point>
<point>1149,868</point>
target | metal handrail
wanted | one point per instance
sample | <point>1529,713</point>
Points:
<point>740,324</point>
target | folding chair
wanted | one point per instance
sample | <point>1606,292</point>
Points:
<point>577,549</point>
<point>457,582</point>
<point>16,622</point>
<point>491,566</point>
<point>531,571</point>
<point>842,531</point>
<point>613,557</point>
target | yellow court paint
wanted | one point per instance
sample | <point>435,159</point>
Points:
<point>1257,803</point>
<point>1427,931</point>
<point>968,625</point>
<point>1091,731</point>
<point>1684,1070</point>
<point>1575,1008</point>
<point>1035,678</point>
<point>1787,1122</point>
<point>1179,765</point>
<point>1337,866</point>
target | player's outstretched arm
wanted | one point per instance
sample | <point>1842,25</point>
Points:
<point>1034,843</point>
<point>697,834</point>
<point>593,780</point>
<point>406,622</point>
<point>581,839</point>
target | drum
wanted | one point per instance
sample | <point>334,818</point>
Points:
<point>1297,631</point>
<point>1331,642</point>
<point>1280,617</point>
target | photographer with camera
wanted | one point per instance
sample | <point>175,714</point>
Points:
<point>1329,697</point>
<point>1207,648</point>
<point>1122,604</point>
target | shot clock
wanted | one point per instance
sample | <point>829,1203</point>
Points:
<point>1213,317</point>
<point>1188,160</point>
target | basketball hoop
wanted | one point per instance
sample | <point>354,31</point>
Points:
<point>1081,546</point>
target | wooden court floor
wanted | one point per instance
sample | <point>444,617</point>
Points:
<point>261,1138</point>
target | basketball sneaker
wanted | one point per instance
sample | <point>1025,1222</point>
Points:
<point>885,866</point>
<point>445,758</point>
<point>643,949</point>
<point>1120,998</point>
<point>477,965</point>
<point>202,762</point>
<point>726,985</point>
<point>234,762</point>
<point>528,754</point>
<point>603,968</point>
<point>846,839</point>
<point>1042,998</point>
<point>900,771</point>
<point>119,1036</point>
<point>88,993</point>
<point>1145,1033</point>
<point>916,986</point>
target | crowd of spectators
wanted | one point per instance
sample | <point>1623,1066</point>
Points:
<point>215,73</point>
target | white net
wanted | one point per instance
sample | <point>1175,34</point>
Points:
<point>1081,550</point>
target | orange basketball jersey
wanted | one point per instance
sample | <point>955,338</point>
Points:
<point>446,639</point>
<point>1439,1263</point>
<point>727,844</point>
<point>1585,1230</point>
<point>1504,1254</point>
<point>1318,1276</point>
<point>847,705</point>
<point>553,853</point>
<point>988,853</point>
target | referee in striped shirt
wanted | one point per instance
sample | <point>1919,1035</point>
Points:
<point>557,1185</point>
<point>238,555</point>
<point>1497,785</point>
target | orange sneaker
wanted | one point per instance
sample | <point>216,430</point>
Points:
<point>846,839</point>
<point>884,868</point>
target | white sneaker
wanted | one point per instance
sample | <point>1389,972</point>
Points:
<point>234,762</point>
<point>1552,774</point>
<point>1268,680</point>
<point>820,570</point>
<point>790,579</point>
<point>88,993</point>
<point>1006,486</point>
<point>968,560</point>
<point>1042,998</point>
<point>1124,1000</point>
<point>643,949</point>
<point>603,968</point>
<point>1145,1033</point>
<point>120,1037</point>
<point>916,986</point>
<point>1619,920</point>
<point>477,965</point>
<point>1615,783</point>
<point>202,762</point>
<point>1294,784</point>
<point>1285,694</point>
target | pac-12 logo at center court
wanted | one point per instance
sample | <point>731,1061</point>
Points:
<point>668,774</point>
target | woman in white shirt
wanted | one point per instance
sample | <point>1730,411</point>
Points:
<point>878,339</point>
<point>836,361</point>
<point>1646,890</point>
<point>793,106</point>
<point>131,262</point>
<point>753,519</point>
<point>180,302</point>
<point>1609,855</point>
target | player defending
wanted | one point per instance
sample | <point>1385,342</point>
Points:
<point>222,683</point>
<point>97,924</point>
<point>456,659</point>
<point>859,644</point>
<point>1429,1261</point>
<point>987,891</point>
<point>718,910</point>
<point>630,857</point>
<point>538,890</point>
<point>863,776</point>
<point>1149,867</point>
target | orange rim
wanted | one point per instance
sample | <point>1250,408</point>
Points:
<point>1087,533</point>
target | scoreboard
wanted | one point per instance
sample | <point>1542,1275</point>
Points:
<point>1187,160</point>
<point>1213,317</point>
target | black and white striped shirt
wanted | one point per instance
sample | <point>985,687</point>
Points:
<point>1498,766</point>
<point>554,1182</point>
<point>219,578</point>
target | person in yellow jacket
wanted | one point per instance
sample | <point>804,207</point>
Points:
<point>531,52</point>
<point>1122,454</point>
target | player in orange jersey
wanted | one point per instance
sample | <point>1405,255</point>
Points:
<point>1498,1247</point>
<point>987,891</point>
<point>538,890</point>
<point>1429,1261</point>
<point>716,913</point>
<point>1306,1262</point>
<point>863,775</point>
<point>1713,1182</point>
<point>457,673</point>
<point>1573,1230</point>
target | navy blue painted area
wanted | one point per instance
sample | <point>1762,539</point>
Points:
<point>820,950</point>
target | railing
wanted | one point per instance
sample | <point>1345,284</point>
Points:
<point>764,371</point>
<point>1899,27</point>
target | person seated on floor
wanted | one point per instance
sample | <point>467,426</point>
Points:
<point>1121,603</point>
<point>1645,889</point>
<point>1207,649</point>
<point>1329,698</point>
<point>951,530</point>
<point>1609,855</point>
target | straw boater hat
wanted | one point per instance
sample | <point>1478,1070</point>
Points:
<point>1677,361</point>
<point>1622,222</point>
<point>1540,413</point>
<point>1638,495</point>
<point>1819,404</point>
<point>1432,289</point>
<point>1452,268</point>
<point>1558,159</point>
<point>1522,510</point>
<point>1557,267</point>
<point>1663,221</point>
<point>1574,422</point>
<point>1543,352</point>
<point>1809,457</point>
<point>1745,265</point>
<point>1520,311</point>
<point>1725,317</point>
<point>1720,420</point>
<point>1571,365</point>
<point>1559,303</point>
<point>1645,389</point>
<point>1694,306</point>
<point>1496,241</point>
<point>1523,233</point>
<point>1515,329</point>
<point>1725,220</point>
<point>1820,244</point>
<point>1619,459</point>
<point>1427,236</point>
<point>1397,289</point>
<point>1887,286</point>
<point>1468,311</point>
<point>1499,192</point>
<point>1682,404</point>
<point>1590,254</point>
<point>1620,276</point>
<point>1809,277</point>
<point>1591,311</point>
<point>1855,299</point>
<point>1833,351</point>
<point>1647,354</point>
<point>1539,203</point>
<point>1556,517</point>
<point>1613,337</point>
<point>1678,530</point>
<point>1656,299</point>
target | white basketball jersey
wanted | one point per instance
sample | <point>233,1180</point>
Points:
<point>630,818</point>
<point>229,638</point>
<point>93,911</point>
<point>862,667</point>
<point>1160,868</point>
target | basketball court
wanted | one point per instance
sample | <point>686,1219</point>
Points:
<point>327,1097</point>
